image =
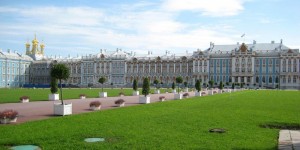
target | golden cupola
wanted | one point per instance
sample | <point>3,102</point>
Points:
<point>28,48</point>
<point>42,46</point>
<point>36,49</point>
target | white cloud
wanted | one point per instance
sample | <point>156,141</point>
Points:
<point>206,7</point>
<point>264,21</point>
<point>89,29</point>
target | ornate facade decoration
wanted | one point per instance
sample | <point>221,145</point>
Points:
<point>256,65</point>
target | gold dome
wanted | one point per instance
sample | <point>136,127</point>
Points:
<point>35,39</point>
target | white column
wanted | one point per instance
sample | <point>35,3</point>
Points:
<point>297,62</point>
<point>207,67</point>
<point>131,68</point>
<point>168,67</point>
<point>155,68</point>
<point>143,67</point>
<point>125,66</point>
<point>137,68</point>
<point>202,66</point>
<point>110,68</point>
<point>286,66</point>
<point>174,67</point>
<point>253,63</point>
<point>194,66</point>
<point>239,79</point>
<point>161,65</point>
<point>104,68</point>
<point>187,68</point>
<point>233,65</point>
<point>81,73</point>
<point>180,67</point>
<point>240,64</point>
<point>76,69</point>
<point>246,65</point>
<point>292,66</point>
<point>198,68</point>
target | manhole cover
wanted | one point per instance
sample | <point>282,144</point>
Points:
<point>217,130</point>
<point>90,140</point>
<point>25,147</point>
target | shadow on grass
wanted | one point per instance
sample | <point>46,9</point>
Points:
<point>281,125</point>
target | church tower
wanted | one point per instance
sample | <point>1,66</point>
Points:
<point>37,51</point>
<point>35,44</point>
<point>27,48</point>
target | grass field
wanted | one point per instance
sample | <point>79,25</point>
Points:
<point>175,124</point>
<point>13,95</point>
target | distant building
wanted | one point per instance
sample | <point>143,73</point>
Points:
<point>14,69</point>
<point>256,65</point>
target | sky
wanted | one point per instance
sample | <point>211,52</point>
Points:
<point>83,27</point>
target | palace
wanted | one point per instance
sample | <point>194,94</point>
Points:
<point>268,65</point>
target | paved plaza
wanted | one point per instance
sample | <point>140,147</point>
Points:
<point>289,140</point>
<point>44,109</point>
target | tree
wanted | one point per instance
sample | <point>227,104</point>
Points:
<point>211,83</point>
<point>146,87</point>
<point>156,82</point>
<point>102,80</point>
<point>179,80</point>
<point>198,85</point>
<point>221,85</point>
<point>185,84</point>
<point>53,85</point>
<point>173,85</point>
<point>60,72</point>
<point>134,85</point>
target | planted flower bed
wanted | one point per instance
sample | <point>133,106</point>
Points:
<point>120,102</point>
<point>8,116</point>
<point>95,105</point>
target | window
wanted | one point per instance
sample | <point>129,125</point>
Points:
<point>294,79</point>
<point>263,79</point>
<point>270,79</point>
<point>289,79</point>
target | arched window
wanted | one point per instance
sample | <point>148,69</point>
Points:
<point>270,79</point>
<point>257,79</point>
<point>276,80</point>
<point>263,79</point>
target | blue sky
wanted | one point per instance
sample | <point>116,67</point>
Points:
<point>81,27</point>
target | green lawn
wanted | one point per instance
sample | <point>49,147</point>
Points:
<point>13,95</point>
<point>175,124</point>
